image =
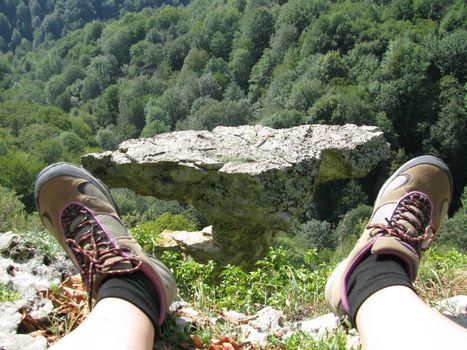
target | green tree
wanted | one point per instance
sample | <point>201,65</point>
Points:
<point>101,73</point>
<point>196,59</point>
<point>5,28</point>
<point>257,27</point>
<point>330,32</point>
<point>300,13</point>
<point>18,172</point>
<point>240,66</point>
<point>451,54</point>
<point>212,113</point>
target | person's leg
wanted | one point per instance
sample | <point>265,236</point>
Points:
<point>372,288</point>
<point>133,291</point>
<point>113,324</point>
<point>396,318</point>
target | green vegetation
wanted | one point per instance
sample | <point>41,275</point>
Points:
<point>84,75</point>
<point>147,233</point>
<point>89,82</point>
<point>6,294</point>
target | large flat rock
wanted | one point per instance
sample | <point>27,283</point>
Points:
<point>249,181</point>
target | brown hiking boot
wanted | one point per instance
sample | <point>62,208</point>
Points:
<point>79,211</point>
<point>408,212</point>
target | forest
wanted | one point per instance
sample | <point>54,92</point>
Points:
<point>83,75</point>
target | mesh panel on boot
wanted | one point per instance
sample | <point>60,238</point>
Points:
<point>91,190</point>
<point>113,226</point>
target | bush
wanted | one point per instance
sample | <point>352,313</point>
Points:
<point>454,231</point>
<point>7,294</point>
<point>146,234</point>
<point>350,228</point>
<point>317,233</point>
<point>11,210</point>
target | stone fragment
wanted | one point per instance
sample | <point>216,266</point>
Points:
<point>10,318</point>
<point>198,244</point>
<point>189,312</point>
<point>455,308</point>
<point>23,342</point>
<point>183,323</point>
<point>268,319</point>
<point>233,315</point>
<point>251,335</point>
<point>318,326</point>
<point>249,181</point>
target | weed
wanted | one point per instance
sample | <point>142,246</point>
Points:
<point>7,294</point>
<point>442,274</point>
<point>274,282</point>
<point>42,241</point>
<point>329,341</point>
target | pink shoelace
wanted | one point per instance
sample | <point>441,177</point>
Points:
<point>93,247</point>
<point>412,212</point>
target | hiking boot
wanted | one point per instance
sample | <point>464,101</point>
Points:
<point>408,212</point>
<point>79,211</point>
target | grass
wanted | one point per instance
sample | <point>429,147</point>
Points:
<point>7,294</point>
<point>442,274</point>
<point>43,241</point>
<point>276,280</point>
<point>298,341</point>
<point>297,290</point>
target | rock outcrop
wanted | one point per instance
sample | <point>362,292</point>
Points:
<point>249,181</point>
<point>27,271</point>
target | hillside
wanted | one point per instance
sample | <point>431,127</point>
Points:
<point>81,76</point>
<point>25,24</point>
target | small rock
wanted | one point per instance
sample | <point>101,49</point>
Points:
<point>455,306</point>
<point>10,318</point>
<point>233,315</point>
<point>182,322</point>
<point>23,342</point>
<point>319,325</point>
<point>40,308</point>
<point>251,335</point>
<point>6,239</point>
<point>177,305</point>
<point>188,311</point>
<point>268,319</point>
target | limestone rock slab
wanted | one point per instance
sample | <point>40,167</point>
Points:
<point>249,181</point>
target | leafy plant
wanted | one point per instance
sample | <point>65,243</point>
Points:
<point>7,294</point>
<point>11,210</point>
<point>146,234</point>
<point>274,281</point>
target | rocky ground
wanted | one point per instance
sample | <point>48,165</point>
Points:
<point>37,282</point>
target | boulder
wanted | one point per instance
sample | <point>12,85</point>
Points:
<point>249,181</point>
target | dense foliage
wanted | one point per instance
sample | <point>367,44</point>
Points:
<point>30,23</point>
<point>89,82</point>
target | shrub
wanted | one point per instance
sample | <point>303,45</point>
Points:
<point>350,228</point>
<point>11,210</point>
<point>7,294</point>
<point>454,231</point>
<point>317,233</point>
<point>146,234</point>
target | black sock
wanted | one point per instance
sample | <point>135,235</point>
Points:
<point>374,273</point>
<point>135,288</point>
